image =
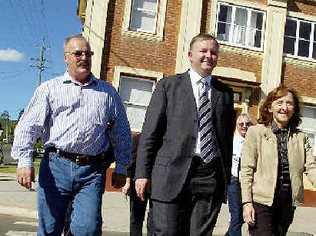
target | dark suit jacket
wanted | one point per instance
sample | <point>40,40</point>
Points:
<point>170,131</point>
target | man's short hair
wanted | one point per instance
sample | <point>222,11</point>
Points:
<point>77,36</point>
<point>202,37</point>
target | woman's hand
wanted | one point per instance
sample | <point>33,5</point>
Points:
<point>126,188</point>
<point>249,213</point>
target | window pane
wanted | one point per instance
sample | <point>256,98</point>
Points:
<point>241,17</point>
<point>223,31</point>
<point>290,27</point>
<point>225,14</point>
<point>256,20</point>
<point>309,120</point>
<point>258,39</point>
<point>143,15</point>
<point>148,4</point>
<point>305,30</point>
<point>239,28</point>
<point>303,48</point>
<point>289,45</point>
<point>314,50</point>
<point>259,20</point>
<point>136,116</point>
<point>254,35</point>
<point>136,91</point>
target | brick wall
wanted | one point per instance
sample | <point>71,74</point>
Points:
<point>305,7</point>
<point>139,53</point>
<point>301,78</point>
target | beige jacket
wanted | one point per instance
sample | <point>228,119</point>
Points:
<point>259,165</point>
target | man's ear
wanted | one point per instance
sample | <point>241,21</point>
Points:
<point>190,54</point>
<point>66,59</point>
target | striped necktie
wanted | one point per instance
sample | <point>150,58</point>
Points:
<point>206,129</point>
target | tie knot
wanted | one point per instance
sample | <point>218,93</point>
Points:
<point>203,84</point>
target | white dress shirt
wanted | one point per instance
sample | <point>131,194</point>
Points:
<point>237,145</point>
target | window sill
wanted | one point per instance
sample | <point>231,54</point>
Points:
<point>143,36</point>
<point>226,46</point>
<point>300,61</point>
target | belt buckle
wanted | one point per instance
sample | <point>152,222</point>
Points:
<point>77,160</point>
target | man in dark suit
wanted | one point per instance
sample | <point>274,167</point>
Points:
<point>186,146</point>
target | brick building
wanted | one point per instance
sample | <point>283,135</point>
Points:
<point>263,43</point>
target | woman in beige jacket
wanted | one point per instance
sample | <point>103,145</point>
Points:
<point>275,155</point>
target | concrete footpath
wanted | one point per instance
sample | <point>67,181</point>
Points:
<point>20,203</point>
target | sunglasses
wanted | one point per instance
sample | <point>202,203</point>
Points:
<point>79,53</point>
<point>246,124</point>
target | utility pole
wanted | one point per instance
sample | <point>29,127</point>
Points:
<point>40,62</point>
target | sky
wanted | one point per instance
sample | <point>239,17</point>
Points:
<point>24,26</point>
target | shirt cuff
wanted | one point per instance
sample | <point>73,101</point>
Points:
<point>25,162</point>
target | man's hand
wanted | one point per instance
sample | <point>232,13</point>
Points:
<point>141,186</point>
<point>249,213</point>
<point>126,188</point>
<point>25,176</point>
<point>118,180</point>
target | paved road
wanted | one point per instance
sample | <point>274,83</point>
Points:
<point>22,226</point>
<point>18,213</point>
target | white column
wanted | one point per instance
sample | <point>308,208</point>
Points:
<point>94,31</point>
<point>190,25</point>
<point>273,45</point>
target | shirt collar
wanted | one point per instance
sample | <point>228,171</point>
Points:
<point>196,78</point>
<point>67,79</point>
<point>275,129</point>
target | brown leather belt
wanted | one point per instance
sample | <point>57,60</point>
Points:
<point>79,159</point>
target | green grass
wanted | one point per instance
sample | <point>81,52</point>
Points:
<point>11,168</point>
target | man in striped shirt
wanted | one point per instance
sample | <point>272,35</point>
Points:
<point>78,118</point>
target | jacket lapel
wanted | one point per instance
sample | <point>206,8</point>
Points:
<point>188,92</point>
<point>215,94</point>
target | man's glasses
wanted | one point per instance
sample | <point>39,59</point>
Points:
<point>246,124</point>
<point>79,53</point>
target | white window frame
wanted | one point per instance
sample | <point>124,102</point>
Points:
<point>157,34</point>
<point>155,12</point>
<point>309,102</point>
<point>134,73</point>
<point>249,11</point>
<point>311,132</point>
<point>297,39</point>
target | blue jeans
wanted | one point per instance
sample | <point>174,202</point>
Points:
<point>61,183</point>
<point>235,207</point>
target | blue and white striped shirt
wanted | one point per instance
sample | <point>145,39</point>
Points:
<point>74,118</point>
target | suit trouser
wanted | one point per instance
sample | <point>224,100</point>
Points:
<point>195,210</point>
<point>137,213</point>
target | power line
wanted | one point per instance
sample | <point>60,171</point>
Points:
<point>41,60</point>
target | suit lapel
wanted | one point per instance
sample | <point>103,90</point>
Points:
<point>215,94</point>
<point>188,91</point>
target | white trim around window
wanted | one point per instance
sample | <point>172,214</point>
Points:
<point>118,70</point>
<point>135,87</point>
<point>240,26</point>
<point>136,11</point>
